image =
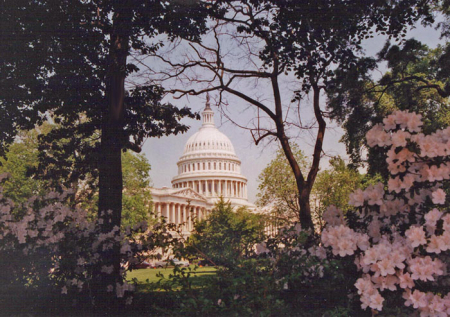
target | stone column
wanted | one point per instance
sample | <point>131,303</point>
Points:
<point>173,213</point>
<point>158,208</point>
<point>175,209</point>
<point>190,214</point>
<point>184,217</point>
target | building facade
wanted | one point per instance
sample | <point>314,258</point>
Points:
<point>207,170</point>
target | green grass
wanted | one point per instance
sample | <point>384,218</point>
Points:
<point>147,278</point>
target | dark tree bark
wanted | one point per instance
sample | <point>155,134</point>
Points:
<point>112,141</point>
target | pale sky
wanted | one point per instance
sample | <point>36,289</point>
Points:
<point>164,152</point>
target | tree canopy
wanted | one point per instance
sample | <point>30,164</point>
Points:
<point>277,189</point>
<point>301,42</point>
<point>69,62</point>
<point>413,81</point>
<point>226,235</point>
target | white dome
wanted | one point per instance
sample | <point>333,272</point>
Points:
<point>209,139</point>
<point>210,166</point>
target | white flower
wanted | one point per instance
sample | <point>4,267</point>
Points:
<point>107,269</point>
<point>129,300</point>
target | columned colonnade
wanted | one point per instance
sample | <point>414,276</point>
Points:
<point>179,213</point>
<point>225,188</point>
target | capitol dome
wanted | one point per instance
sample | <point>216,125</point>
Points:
<point>208,169</point>
<point>207,139</point>
<point>209,165</point>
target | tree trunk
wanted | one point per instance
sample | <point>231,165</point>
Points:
<point>305,208</point>
<point>304,186</point>
<point>112,139</point>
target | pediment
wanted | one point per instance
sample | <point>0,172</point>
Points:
<point>188,193</point>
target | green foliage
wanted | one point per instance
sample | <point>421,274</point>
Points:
<point>136,202</point>
<point>68,71</point>
<point>415,81</point>
<point>21,157</point>
<point>278,188</point>
<point>226,236</point>
<point>333,187</point>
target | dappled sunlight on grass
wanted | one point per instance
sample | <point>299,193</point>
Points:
<point>147,279</point>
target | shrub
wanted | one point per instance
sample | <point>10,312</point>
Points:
<point>399,236</point>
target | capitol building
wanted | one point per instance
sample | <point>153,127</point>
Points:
<point>207,170</point>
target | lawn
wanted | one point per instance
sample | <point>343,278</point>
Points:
<point>147,278</point>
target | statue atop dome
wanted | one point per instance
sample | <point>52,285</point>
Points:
<point>208,107</point>
<point>208,114</point>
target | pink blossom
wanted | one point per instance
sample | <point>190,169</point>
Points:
<point>377,136</point>
<point>405,280</point>
<point>389,122</point>
<point>414,122</point>
<point>418,299</point>
<point>432,217</point>
<point>356,198</point>
<point>376,301</point>
<point>399,138</point>
<point>438,196</point>
<point>416,236</point>
<point>395,184</point>
<point>374,194</point>
<point>333,216</point>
